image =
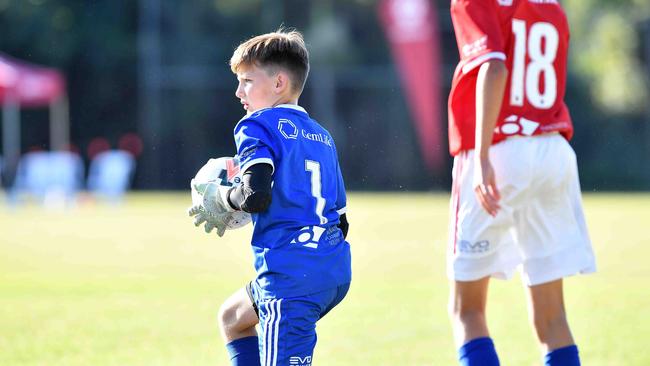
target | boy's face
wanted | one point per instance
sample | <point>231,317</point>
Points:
<point>257,88</point>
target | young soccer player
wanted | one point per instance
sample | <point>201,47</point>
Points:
<point>515,196</point>
<point>292,186</point>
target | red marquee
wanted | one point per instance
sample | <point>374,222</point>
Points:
<point>412,31</point>
<point>29,85</point>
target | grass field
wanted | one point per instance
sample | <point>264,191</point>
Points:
<point>139,285</point>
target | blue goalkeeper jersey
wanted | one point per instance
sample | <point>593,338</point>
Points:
<point>297,244</point>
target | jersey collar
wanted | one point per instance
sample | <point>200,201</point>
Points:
<point>292,106</point>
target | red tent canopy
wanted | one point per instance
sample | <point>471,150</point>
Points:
<point>29,85</point>
<point>25,85</point>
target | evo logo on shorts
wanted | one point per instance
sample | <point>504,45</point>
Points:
<point>481,246</point>
<point>299,361</point>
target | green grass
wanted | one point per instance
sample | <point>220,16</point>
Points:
<point>139,285</point>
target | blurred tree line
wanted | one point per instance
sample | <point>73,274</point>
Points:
<point>93,44</point>
<point>160,68</point>
<point>608,91</point>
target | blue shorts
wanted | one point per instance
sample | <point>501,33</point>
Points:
<point>288,326</point>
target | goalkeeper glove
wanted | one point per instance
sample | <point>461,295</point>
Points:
<point>211,221</point>
<point>215,199</point>
<point>214,209</point>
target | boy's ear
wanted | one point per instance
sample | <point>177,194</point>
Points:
<point>281,82</point>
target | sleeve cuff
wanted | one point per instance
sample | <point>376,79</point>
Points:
<point>481,59</point>
<point>250,163</point>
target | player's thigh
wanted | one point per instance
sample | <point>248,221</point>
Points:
<point>553,234</point>
<point>332,298</point>
<point>288,331</point>
<point>481,245</point>
<point>238,311</point>
<point>288,326</point>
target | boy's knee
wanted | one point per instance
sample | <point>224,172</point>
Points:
<point>227,317</point>
<point>466,315</point>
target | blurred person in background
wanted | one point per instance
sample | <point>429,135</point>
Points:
<point>516,200</point>
<point>53,178</point>
<point>111,170</point>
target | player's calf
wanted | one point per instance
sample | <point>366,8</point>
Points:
<point>548,315</point>
<point>552,331</point>
<point>467,313</point>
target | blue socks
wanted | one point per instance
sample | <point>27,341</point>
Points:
<point>478,352</point>
<point>481,352</point>
<point>565,356</point>
<point>244,352</point>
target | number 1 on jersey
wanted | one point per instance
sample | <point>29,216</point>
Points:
<point>314,168</point>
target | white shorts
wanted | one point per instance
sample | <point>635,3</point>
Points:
<point>540,227</point>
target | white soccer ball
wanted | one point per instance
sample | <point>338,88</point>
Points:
<point>224,171</point>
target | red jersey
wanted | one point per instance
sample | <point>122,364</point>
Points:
<point>532,38</point>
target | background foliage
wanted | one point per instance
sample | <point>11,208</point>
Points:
<point>353,89</point>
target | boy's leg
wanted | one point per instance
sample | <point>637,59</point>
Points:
<point>339,295</point>
<point>289,326</point>
<point>481,246</point>
<point>556,245</point>
<point>467,303</point>
<point>547,313</point>
<point>237,321</point>
<point>288,332</point>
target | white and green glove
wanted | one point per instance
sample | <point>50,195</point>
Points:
<point>214,209</point>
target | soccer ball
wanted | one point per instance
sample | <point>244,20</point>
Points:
<point>224,171</point>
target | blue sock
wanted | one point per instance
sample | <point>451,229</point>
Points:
<point>478,352</point>
<point>565,356</point>
<point>244,351</point>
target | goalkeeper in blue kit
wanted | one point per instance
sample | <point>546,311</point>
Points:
<point>293,187</point>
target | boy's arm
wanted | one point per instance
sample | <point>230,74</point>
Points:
<point>344,225</point>
<point>341,202</point>
<point>490,86</point>
<point>254,194</point>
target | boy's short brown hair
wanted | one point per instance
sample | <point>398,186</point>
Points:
<point>281,49</point>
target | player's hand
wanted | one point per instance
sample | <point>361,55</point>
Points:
<point>201,215</point>
<point>215,199</point>
<point>485,186</point>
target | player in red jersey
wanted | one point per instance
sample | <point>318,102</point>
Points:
<point>516,199</point>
